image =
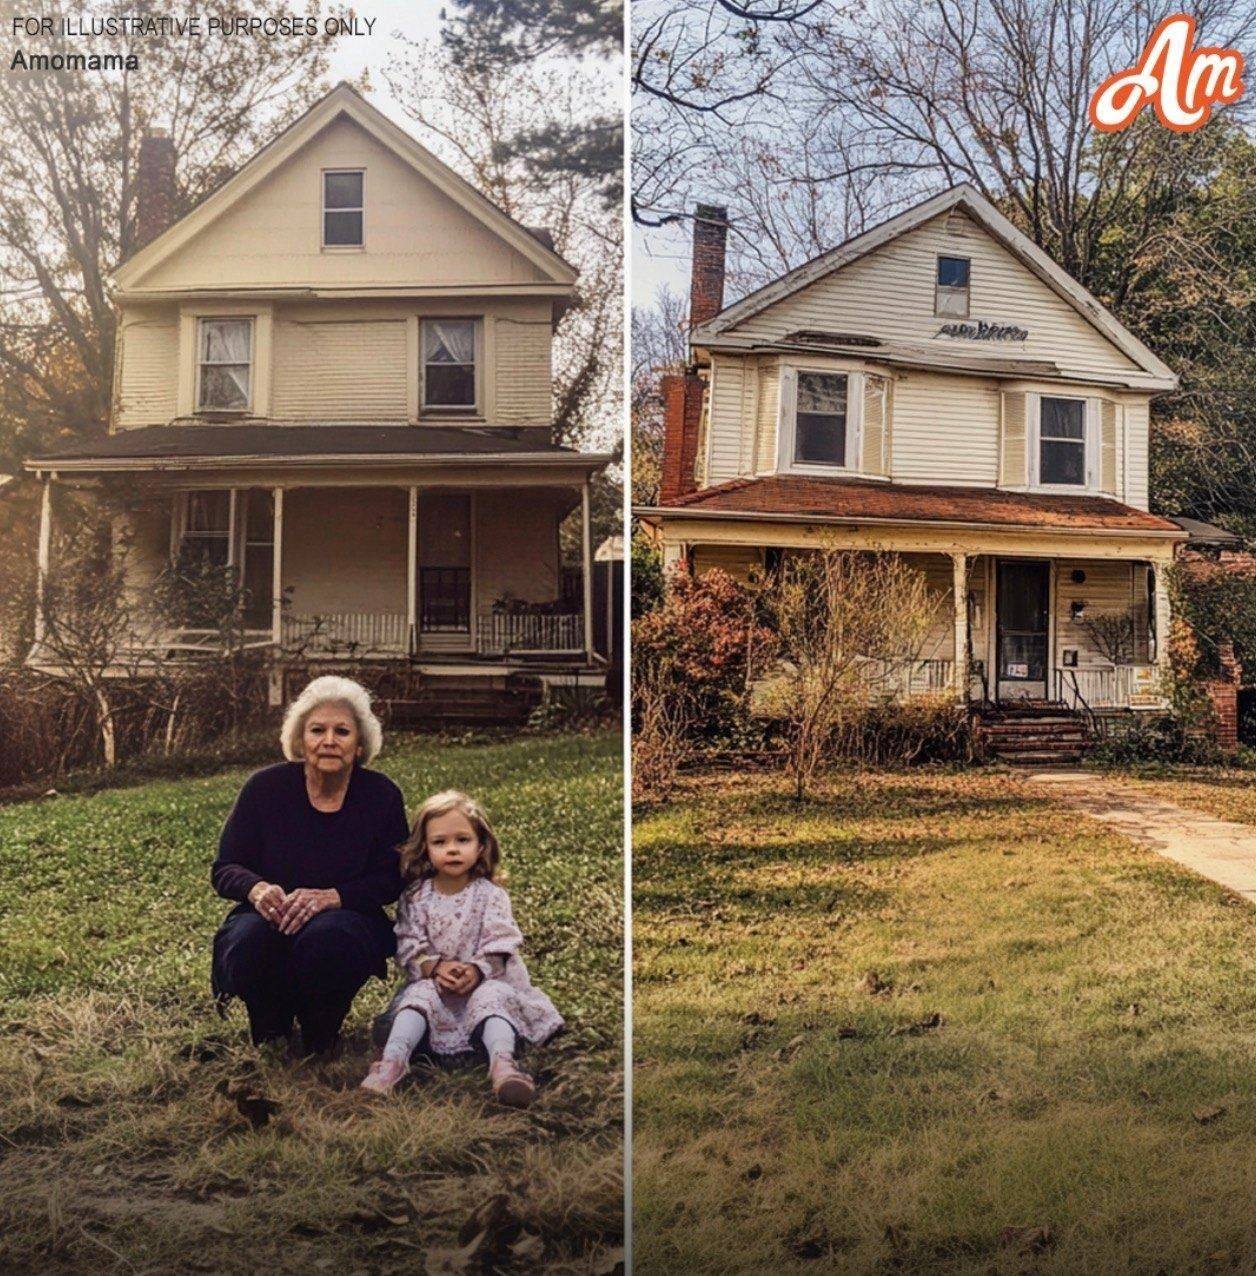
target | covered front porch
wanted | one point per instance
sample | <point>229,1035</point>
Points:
<point>444,562</point>
<point>1021,617</point>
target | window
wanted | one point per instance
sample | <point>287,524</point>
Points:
<point>951,295</point>
<point>206,528</point>
<point>449,363</point>
<point>820,419</point>
<point>1062,441</point>
<point>225,365</point>
<point>343,209</point>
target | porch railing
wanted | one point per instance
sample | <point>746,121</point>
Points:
<point>362,631</point>
<point>1103,687</point>
<point>907,678</point>
<point>502,632</point>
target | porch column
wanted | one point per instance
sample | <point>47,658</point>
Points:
<point>412,565</point>
<point>276,576</point>
<point>233,532</point>
<point>1162,616</point>
<point>959,578</point>
<point>45,552</point>
<point>586,545</point>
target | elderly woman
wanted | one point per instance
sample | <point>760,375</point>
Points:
<point>309,852</point>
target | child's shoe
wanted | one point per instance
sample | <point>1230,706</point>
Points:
<point>383,1076</point>
<point>510,1085</point>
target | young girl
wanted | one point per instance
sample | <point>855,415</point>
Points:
<point>459,946</point>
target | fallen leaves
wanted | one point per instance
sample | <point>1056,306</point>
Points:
<point>1206,1116</point>
<point>492,1236</point>
<point>919,1027</point>
<point>1024,1241</point>
<point>874,985</point>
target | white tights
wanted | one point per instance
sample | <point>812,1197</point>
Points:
<point>410,1027</point>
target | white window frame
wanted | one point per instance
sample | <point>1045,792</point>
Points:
<point>453,409</point>
<point>938,313</point>
<point>203,409</point>
<point>324,174</point>
<point>787,421</point>
<point>1090,419</point>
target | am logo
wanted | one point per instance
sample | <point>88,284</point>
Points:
<point>1181,82</point>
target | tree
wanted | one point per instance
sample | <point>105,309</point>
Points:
<point>847,626</point>
<point>487,37</point>
<point>68,216</point>
<point>469,111</point>
<point>658,347</point>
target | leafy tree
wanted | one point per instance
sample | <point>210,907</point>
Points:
<point>68,217</point>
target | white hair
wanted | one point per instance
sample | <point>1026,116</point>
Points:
<point>327,690</point>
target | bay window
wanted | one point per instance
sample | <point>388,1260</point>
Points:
<point>1062,443</point>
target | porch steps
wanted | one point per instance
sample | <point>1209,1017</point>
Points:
<point>435,702</point>
<point>1043,734</point>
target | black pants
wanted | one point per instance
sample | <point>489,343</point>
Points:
<point>312,976</point>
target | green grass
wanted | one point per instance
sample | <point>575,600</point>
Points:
<point>118,1146</point>
<point>1092,999</point>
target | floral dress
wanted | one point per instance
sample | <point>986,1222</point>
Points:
<point>475,926</point>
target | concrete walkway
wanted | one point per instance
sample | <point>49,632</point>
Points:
<point>1218,849</point>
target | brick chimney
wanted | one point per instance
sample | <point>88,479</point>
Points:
<point>706,285</point>
<point>154,190</point>
<point>682,414</point>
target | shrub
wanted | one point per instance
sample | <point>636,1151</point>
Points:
<point>647,576</point>
<point>1157,738</point>
<point>925,729</point>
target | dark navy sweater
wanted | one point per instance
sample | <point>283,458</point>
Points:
<point>273,834</point>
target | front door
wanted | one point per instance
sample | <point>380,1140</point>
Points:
<point>1022,623</point>
<point>444,571</point>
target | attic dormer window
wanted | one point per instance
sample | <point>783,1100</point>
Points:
<point>950,299</point>
<point>343,208</point>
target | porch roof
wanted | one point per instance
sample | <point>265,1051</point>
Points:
<point>780,496</point>
<point>159,446</point>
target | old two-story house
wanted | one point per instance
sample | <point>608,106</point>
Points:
<point>333,377</point>
<point>940,388</point>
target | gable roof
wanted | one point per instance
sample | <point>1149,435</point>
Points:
<point>981,210</point>
<point>345,101</point>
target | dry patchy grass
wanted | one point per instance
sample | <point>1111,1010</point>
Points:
<point>1030,1082</point>
<point>1229,793</point>
<point>122,1145</point>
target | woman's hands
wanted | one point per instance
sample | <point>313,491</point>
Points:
<point>268,899</point>
<point>458,977</point>
<point>302,904</point>
<point>289,912</point>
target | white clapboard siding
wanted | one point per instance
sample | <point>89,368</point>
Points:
<point>1107,446</point>
<point>522,356</point>
<point>1107,590</point>
<point>1014,444</point>
<point>725,448</point>
<point>944,429</point>
<point>349,370</point>
<point>1136,445</point>
<point>765,424</point>
<point>890,293</point>
<point>737,560</point>
<point>148,374</point>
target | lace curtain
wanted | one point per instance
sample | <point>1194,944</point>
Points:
<point>225,353</point>
<point>448,341</point>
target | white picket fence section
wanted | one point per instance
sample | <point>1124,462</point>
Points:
<point>1113,687</point>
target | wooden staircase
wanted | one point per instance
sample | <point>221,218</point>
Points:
<point>441,701</point>
<point>1032,733</point>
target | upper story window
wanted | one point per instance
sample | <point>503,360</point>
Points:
<point>1062,449</point>
<point>343,208</point>
<point>951,293</point>
<point>225,365</point>
<point>820,419</point>
<point>449,359</point>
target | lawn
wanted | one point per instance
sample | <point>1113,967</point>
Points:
<point>124,1099</point>
<point>931,1022</point>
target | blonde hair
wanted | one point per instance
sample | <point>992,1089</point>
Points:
<point>331,689</point>
<point>415,864</point>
